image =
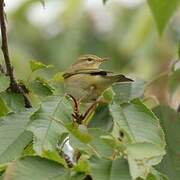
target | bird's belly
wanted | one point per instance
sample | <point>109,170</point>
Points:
<point>77,86</point>
<point>85,87</point>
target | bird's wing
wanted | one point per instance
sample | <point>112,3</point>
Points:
<point>98,72</point>
<point>113,77</point>
<point>87,71</point>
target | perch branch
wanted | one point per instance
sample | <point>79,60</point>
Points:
<point>14,86</point>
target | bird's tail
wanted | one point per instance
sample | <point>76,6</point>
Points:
<point>121,78</point>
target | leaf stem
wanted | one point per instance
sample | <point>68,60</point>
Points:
<point>57,120</point>
<point>94,150</point>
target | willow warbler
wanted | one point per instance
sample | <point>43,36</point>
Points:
<point>86,82</point>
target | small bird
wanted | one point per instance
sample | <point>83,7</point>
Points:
<point>86,82</point>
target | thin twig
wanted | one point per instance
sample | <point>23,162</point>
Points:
<point>9,69</point>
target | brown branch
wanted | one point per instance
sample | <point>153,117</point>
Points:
<point>178,109</point>
<point>2,69</point>
<point>14,86</point>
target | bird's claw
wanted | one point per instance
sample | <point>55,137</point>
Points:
<point>77,116</point>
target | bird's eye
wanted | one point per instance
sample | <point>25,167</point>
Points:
<point>89,59</point>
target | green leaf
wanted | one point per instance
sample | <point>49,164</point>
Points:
<point>3,108</point>
<point>41,87</point>
<point>50,155</point>
<point>170,121</point>
<point>155,175</point>
<point>58,77</point>
<point>162,11</point>
<point>36,65</point>
<point>3,168</point>
<point>98,143</point>
<point>14,101</point>
<point>36,168</point>
<point>141,158</point>
<point>4,82</point>
<point>142,150</point>
<point>53,155</point>
<point>28,150</point>
<point>114,143</point>
<point>127,91</point>
<point>96,146</point>
<point>77,176</point>
<point>110,170</point>
<point>133,117</point>
<point>102,118</point>
<point>108,95</point>
<point>45,128</point>
<point>146,147</point>
<point>151,102</point>
<point>13,135</point>
<point>79,132</point>
<point>83,165</point>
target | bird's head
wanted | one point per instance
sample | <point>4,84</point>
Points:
<point>88,61</point>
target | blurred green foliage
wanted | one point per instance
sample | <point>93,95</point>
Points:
<point>63,30</point>
<point>162,11</point>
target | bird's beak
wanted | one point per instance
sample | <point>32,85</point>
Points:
<point>104,59</point>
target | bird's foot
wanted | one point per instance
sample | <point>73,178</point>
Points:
<point>79,117</point>
<point>84,118</point>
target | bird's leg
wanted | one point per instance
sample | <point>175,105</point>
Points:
<point>89,112</point>
<point>76,104</point>
<point>76,113</point>
<point>78,117</point>
<point>84,118</point>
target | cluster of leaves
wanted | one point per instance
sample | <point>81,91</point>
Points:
<point>123,139</point>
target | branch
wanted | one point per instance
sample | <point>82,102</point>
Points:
<point>1,69</point>
<point>14,86</point>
